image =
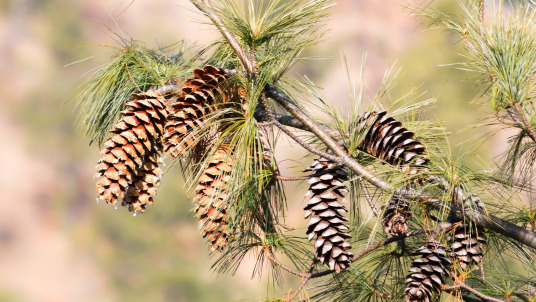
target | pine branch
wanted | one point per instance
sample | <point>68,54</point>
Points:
<point>471,290</point>
<point>290,121</point>
<point>301,121</point>
<point>281,265</point>
<point>491,222</point>
<point>520,119</point>
<point>298,140</point>
<point>204,6</point>
<point>369,199</point>
<point>296,178</point>
<point>279,97</point>
<point>304,281</point>
<point>166,89</point>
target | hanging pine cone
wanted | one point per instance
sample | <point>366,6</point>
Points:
<point>211,199</point>
<point>387,140</point>
<point>136,138</point>
<point>327,220</point>
<point>144,186</point>
<point>396,215</point>
<point>427,272</point>
<point>191,108</point>
<point>467,245</point>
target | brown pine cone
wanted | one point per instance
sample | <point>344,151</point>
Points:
<point>427,272</point>
<point>388,141</point>
<point>467,245</point>
<point>211,199</point>
<point>191,108</point>
<point>140,193</point>
<point>396,215</point>
<point>327,222</point>
<point>136,137</point>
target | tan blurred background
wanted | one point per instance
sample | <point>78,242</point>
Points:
<point>57,244</point>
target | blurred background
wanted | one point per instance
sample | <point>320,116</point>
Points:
<point>57,244</point>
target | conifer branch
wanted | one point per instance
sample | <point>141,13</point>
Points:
<point>491,222</point>
<point>279,97</point>
<point>205,7</point>
<point>304,281</point>
<point>369,199</point>
<point>240,32</point>
<point>166,89</point>
<point>281,265</point>
<point>471,290</point>
<point>483,219</point>
<point>488,221</point>
<point>504,121</point>
<point>296,178</point>
<point>520,119</point>
<point>298,140</point>
<point>290,121</point>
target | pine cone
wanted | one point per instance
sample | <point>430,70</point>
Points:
<point>211,199</point>
<point>136,137</point>
<point>396,215</point>
<point>191,108</point>
<point>387,140</point>
<point>144,186</point>
<point>327,223</point>
<point>467,246</point>
<point>427,272</point>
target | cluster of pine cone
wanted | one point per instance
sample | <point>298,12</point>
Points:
<point>153,125</point>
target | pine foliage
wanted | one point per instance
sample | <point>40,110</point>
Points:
<point>221,122</point>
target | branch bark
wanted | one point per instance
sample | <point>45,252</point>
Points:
<point>290,121</point>
<point>473,291</point>
<point>520,119</point>
<point>204,6</point>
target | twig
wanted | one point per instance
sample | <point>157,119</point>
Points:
<point>481,11</point>
<point>527,127</point>
<point>306,146</point>
<point>290,121</point>
<point>281,265</point>
<point>377,293</point>
<point>514,116</point>
<point>296,178</point>
<point>502,120</point>
<point>471,290</point>
<point>464,297</point>
<point>369,199</point>
<point>132,79</point>
<point>435,230</point>
<point>304,281</point>
<point>298,140</point>
<point>166,89</point>
<point>204,6</point>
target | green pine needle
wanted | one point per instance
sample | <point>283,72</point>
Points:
<point>133,68</point>
<point>273,32</point>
